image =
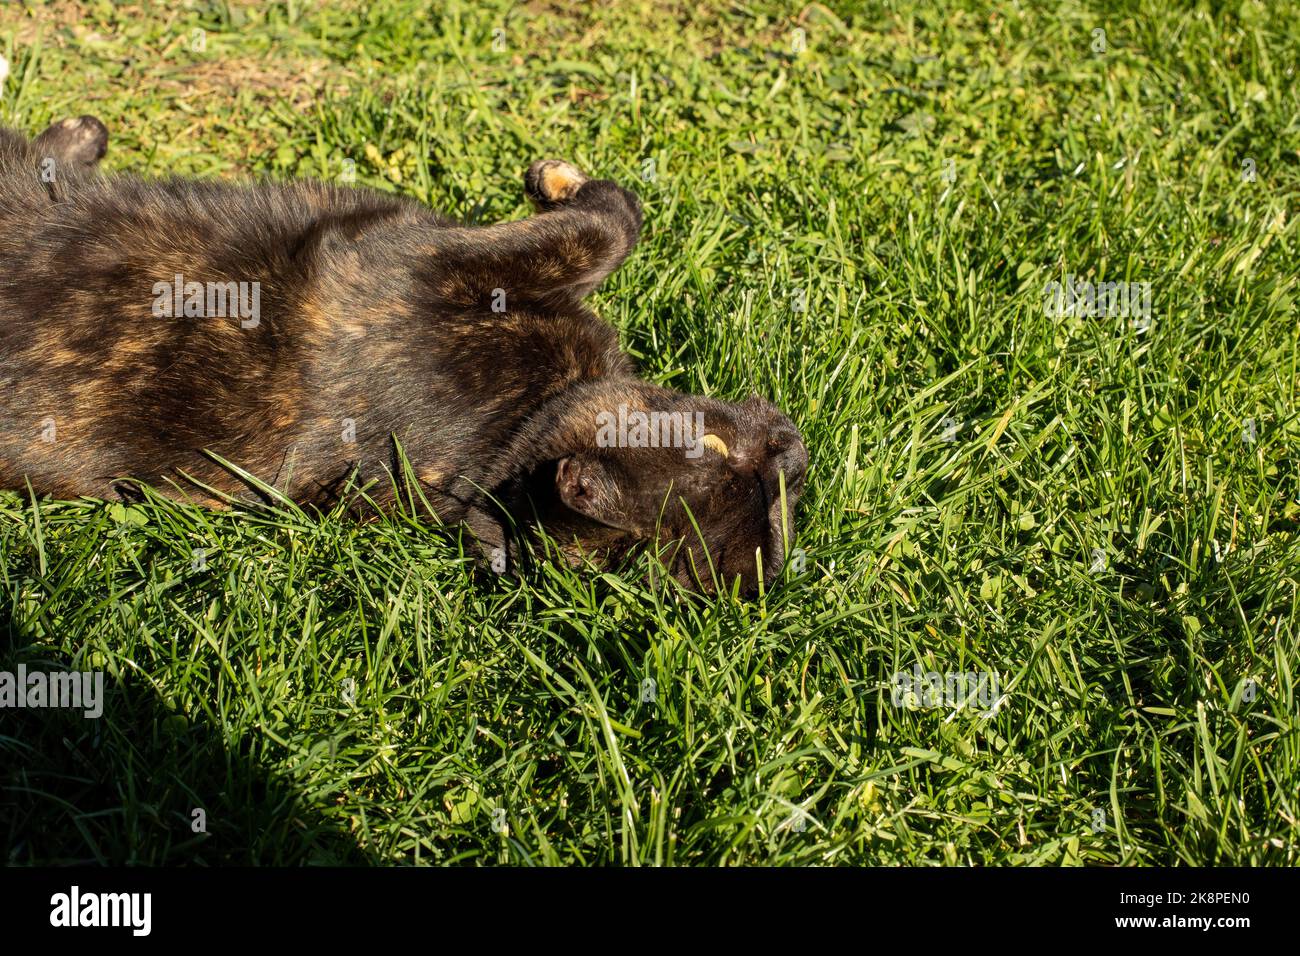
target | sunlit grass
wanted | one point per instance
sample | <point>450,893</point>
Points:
<point>1075,505</point>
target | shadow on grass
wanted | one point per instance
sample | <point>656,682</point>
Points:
<point>122,789</point>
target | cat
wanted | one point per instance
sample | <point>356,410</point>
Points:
<point>311,334</point>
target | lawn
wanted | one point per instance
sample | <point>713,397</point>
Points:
<point>856,210</point>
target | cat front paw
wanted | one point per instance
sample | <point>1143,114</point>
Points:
<point>552,182</point>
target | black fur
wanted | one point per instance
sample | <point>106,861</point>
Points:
<point>379,324</point>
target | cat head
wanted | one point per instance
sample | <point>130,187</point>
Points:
<point>712,485</point>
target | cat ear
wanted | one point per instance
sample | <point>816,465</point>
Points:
<point>585,485</point>
<point>574,486</point>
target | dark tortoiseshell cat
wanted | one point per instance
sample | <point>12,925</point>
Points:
<point>303,331</point>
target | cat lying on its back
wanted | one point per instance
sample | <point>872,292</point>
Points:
<point>303,331</point>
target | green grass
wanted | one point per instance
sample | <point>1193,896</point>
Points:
<point>1159,690</point>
